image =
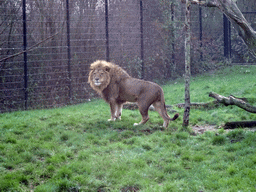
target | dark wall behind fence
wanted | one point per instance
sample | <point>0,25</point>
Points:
<point>62,38</point>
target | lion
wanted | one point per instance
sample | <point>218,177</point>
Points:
<point>116,87</point>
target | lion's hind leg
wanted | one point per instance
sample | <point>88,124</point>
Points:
<point>143,107</point>
<point>160,108</point>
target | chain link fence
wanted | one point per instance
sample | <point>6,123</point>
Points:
<point>47,46</point>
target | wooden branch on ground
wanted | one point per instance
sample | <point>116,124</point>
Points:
<point>133,106</point>
<point>231,100</point>
<point>199,105</point>
<point>239,124</point>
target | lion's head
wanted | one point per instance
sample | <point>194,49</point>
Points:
<point>99,76</point>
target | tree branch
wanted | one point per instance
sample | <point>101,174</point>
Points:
<point>230,9</point>
<point>206,3</point>
<point>245,31</point>
<point>30,48</point>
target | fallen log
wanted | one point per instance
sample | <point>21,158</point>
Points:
<point>239,124</point>
<point>231,100</point>
<point>199,105</point>
<point>212,104</point>
<point>133,106</point>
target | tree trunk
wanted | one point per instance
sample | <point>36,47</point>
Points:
<point>187,65</point>
<point>231,100</point>
<point>230,9</point>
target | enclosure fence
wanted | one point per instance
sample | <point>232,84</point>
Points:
<point>47,46</point>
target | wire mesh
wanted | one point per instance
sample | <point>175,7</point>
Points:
<point>64,37</point>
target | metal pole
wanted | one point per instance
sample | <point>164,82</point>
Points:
<point>25,54</point>
<point>142,40</point>
<point>107,35</point>
<point>68,51</point>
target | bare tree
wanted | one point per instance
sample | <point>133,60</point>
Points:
<point>9,28</point>
<point>187,65</point>
<point>8,13</point>
<point>230,9</point>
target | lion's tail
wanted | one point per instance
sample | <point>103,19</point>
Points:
<point>168,117</point>
<point>165,111</point>
<point>175,117</point>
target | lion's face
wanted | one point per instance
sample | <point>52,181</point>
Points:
<point>99,77</point>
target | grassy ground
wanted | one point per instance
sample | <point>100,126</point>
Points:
<point>238,81</point>
<point>75,149</point>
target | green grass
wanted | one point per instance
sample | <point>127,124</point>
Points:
<point>75,148</point>
<point>238,81</point>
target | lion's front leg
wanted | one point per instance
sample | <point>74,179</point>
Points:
<point>113,110</point>
<point>119,111</point>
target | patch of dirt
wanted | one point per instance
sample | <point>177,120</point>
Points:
<point>201,129</point>
<point>130,189</point>
<point>103,189</point>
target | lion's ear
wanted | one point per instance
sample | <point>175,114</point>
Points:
<point>91,67</point>
<point>107,68</point>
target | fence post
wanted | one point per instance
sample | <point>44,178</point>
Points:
<point>68,50</point>
<point>25,54</point>
<point>141,41</point>
<point>107,35</point>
